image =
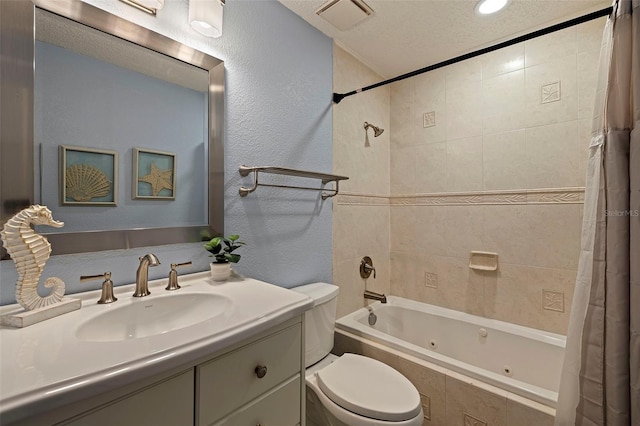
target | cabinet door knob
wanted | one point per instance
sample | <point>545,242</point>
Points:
<point>261,371</point>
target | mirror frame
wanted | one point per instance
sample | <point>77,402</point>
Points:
<point>17,32</point>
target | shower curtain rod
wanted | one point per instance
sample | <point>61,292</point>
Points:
<point>337,97</point>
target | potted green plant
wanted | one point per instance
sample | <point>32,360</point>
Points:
<point>222,249</point>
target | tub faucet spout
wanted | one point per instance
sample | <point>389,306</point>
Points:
<point>375,296</point>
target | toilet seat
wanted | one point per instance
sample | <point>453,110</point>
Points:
<point>369,388</point>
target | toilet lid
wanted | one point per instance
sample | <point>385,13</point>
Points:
<point>369,388</point>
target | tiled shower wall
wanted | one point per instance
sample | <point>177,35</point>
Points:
<point>487,155</point>
<point>361,211</point>
<point>490,155</point>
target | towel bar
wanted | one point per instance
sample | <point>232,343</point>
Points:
<point>324,177</point>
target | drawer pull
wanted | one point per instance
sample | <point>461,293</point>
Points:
<point>261,371</point>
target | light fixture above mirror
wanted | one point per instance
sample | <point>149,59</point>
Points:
<point>205,17</point>
<point>149,6</point>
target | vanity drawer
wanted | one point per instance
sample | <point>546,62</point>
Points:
<point>228,382</point>
<point>280,407</point>
<point>169,402</point>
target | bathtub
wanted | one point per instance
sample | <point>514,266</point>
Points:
<point>524,361</point>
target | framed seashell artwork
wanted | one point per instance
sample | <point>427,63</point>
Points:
<point>154,174</point>
<point>88,176</point>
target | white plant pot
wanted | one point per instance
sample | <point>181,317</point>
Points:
<point>220,271</point>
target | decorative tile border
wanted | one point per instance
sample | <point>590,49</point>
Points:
<point>524,196</point>
<point>568,196</point>
<point>350,198</point>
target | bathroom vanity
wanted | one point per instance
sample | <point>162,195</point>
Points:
<point>222,353</point>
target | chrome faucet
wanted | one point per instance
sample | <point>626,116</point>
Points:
<point>375,296</point>
<point>142,275</point>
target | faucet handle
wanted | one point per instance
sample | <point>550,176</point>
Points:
<point>366,267</point>
<point>107,287</point>
<point>173,275</point>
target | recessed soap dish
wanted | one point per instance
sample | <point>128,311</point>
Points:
<point>483,261</point>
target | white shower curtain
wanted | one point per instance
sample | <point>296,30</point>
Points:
<point>600,383</point>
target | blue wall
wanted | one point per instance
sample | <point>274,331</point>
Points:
<point>278,112</point>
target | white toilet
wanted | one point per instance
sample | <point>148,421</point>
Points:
<point>350,390</point>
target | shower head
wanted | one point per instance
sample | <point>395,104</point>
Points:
<point>377,131</point>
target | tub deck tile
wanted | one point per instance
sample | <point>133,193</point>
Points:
<point>465,402</point>
<point>522,415</point>
<point>431,386</point>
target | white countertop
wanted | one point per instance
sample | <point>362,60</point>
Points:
<point>45,365</point>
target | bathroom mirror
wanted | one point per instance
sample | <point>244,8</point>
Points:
<point>105,89</point>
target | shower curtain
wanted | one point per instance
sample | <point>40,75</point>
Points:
<point>600,383</point>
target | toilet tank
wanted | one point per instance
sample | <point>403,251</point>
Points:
<point>320,320</point>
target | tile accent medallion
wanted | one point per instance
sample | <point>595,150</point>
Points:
<point>429,119</point>
<point>426,406</point>
<point>550,92</point>
<point>469,420</point>
<point>430,280</point>
<point>553,300</point>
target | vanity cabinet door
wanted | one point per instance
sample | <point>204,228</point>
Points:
<point>233,380</point>
<point>168,403</point>
<point>281,407</point>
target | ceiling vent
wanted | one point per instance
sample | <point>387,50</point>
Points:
<point>344,14</point>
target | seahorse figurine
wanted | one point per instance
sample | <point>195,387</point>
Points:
<point>30,251</point>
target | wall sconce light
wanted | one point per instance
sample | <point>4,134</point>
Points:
<point>149,6</point>
<point>205,17</point>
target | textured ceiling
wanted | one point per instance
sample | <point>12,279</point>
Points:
<point>405,35</point>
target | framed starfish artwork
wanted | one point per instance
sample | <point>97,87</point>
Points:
<point>154,175</point>
<point>88,176</point>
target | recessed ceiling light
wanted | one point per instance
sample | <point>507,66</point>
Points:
<point>486,7</point>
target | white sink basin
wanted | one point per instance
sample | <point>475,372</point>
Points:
<point>149,316</point>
